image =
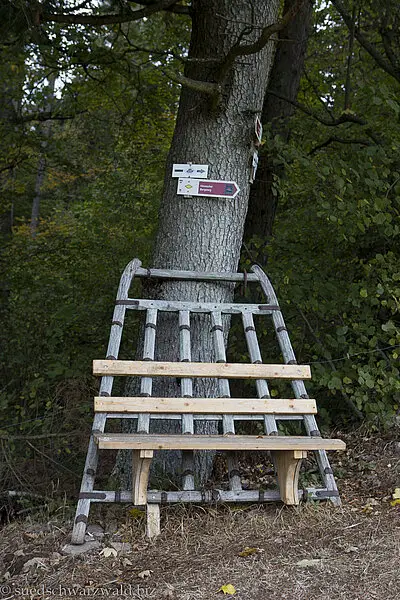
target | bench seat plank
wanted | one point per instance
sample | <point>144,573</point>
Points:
<point>213,442</point>
<point>197,369</point>
<point>244,406</point>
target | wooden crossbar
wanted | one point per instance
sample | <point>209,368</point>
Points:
<point>244,406</point>
<point>197,307</point>
<point>213,442</point>
<point>194,369</point>
<point>195,275</point>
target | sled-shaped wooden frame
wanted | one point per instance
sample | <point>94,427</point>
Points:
<point>286,451</point>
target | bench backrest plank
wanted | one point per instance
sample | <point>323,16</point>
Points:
<point>192,369</point>
<point>244,406</point>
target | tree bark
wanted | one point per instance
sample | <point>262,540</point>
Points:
<point>200,233</point>
<point>41,170</point>
<point>285,80</point>
<point>12,72</point>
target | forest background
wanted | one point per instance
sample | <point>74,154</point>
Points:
<point>87,118</point>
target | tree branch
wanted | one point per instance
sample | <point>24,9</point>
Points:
<point>204,87</point>
<point>345,117</point>
<point>178,9</point>
<point>99,20</point>
<point>347,85</point>
<point>244,50</point>
<point>339,140</point>
<point>47,116</point>
<point>363,41</point>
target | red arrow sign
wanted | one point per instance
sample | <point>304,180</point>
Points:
<point>206,187</point>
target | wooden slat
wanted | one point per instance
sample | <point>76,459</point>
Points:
<point>211,495</point>
<point>195,275</point>
<point>213,442</point>
<point>270,425</point>
<point>198,307</point>
<point>228,422</point>
<point>146,384</point>
<point>185,354</point>
<point>243,406</point>
<point>192,369</point>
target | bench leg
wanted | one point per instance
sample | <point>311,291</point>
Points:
<point>141,461</point>
<point>287,464</point>
<point>153,520</point>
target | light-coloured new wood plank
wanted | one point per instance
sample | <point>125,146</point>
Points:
<point>244,406</point>
<point>197,369</point>
<point>213,442</point>
<point>141,460</point>
<point>287,464</point>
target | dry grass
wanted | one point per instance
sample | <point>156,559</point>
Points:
<point>355,549</point>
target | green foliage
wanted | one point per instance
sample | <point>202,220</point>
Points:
<point>334,257</point>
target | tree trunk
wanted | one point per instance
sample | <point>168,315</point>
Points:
<point>12,72</point>
<point>285,80</point>
<point>200,233</point>
<point>41,170</point>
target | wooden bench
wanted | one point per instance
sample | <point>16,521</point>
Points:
<point>286,451</point>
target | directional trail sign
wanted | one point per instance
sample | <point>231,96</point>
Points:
<point>215,189</point>
<point>190,170</point>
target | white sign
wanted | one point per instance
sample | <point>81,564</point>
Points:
<point>206,187</point>
<point>190,170</point>
<point>254,165</point>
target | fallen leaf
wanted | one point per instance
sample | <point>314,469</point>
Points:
<point>126,562</point>
<point>351,549</point>
<point>109,552</point>
<point>395,502</point>
<point>228,588</point>
<point>309,562</point>
<point>33,563</point>
<point>248,551</point>
<point>145,574</point>
<point>396,494</point>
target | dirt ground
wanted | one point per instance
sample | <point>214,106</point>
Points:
<point>271,552</point>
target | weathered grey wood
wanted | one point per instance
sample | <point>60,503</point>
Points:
<point>270,425</point>
<point>185,354</point>
<point>195,275</point>
<point>89,472</point>
<point>186,406</point>
<point>153,528</point>
<point>203,369</point>
<point>146,384</point>
<point>298,386</point>
<point>204,417</point>
<point>209,496</point>
<point>228,423</point>
<point>214,442</point>
<point>198,307</point>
